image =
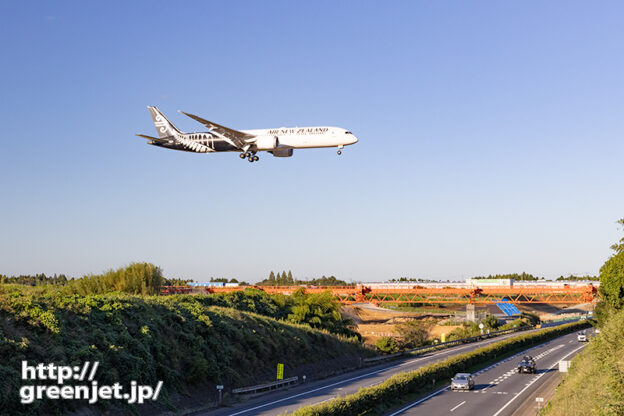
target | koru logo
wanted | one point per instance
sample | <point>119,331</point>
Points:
<point>161,123</point>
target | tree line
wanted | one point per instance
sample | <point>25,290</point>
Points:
<point>514,276</point>
<point>572,278</point>
<point>412,279</point>
<point>287,279</point>
<point>35,280</point>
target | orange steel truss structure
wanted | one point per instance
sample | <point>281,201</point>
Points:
<point>420,294</point>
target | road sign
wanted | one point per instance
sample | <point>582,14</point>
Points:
<point>220,387</point>
<point>443,338</point>
<point>481,326</point>
<point>280,371</point>
<point>539,399</point>
<point>563,366</point>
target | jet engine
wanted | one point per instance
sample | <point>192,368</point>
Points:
<point>267,143</point>
<point>282,152</point>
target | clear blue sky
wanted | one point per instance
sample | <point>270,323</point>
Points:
<point>491,137</point>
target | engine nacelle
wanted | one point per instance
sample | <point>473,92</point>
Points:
<point>267,143</point>
<point>282,152</point>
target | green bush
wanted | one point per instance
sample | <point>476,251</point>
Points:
<point>413,333</point>
<point>387,345</point>
<point>136,279</point>
<point>530,318</point>
<point>491,322</point>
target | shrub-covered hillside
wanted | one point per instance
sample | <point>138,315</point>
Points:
<point>187,341</point>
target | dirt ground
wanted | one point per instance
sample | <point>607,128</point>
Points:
<point>374,322</point>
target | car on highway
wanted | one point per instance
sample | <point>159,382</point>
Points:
<point>462,381</point>
<point>527,365</point>
<point>581,336</point>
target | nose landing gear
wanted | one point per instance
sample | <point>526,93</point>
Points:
<point>340,150</point>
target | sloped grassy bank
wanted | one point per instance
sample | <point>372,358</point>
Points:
<point>186,341</point>
<point>594,384</point>
<point>392,392</point>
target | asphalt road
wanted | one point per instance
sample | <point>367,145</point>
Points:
<point>499,389</point>
<point>314,392</point>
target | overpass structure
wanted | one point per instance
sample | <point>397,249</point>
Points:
<point>402,293</point>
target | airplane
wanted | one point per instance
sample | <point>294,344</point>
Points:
<point>279,142</point>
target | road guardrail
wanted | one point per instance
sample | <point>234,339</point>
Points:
<point>266,386</point>
<point>447,344</point>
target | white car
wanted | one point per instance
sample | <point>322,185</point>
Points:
<point>581,337</point>
<point>462,381</point>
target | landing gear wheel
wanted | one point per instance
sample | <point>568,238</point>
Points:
<point>250,158</point>
<point>339,152</point>
<point>243,155</point>
<point>256,158</point>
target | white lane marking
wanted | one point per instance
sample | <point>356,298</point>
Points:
<point>480,372</point>
<point>457,406</point>
<point>374,372</point>
<point>536,378</point>
<point>419,401</point>
<point>323,401</point>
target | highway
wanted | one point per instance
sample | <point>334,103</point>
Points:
<point>499,389</point>
<point>314,392</point>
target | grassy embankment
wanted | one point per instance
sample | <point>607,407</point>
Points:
<point>192,343</point>
<point>595,382</point>
<point>403,387</point>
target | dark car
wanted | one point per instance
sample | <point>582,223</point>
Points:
<point>527,365</point>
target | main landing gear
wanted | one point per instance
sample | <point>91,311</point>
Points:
<point>250,156</point>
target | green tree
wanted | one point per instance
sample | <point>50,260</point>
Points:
<point>619,247</point>
<point>387,345</point>
<point>612,280</point>
<point>413,333</point>
<point>491,322</point>
<point>319,310</point>
<point>136,279</point>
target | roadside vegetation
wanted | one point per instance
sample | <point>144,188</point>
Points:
<point>190,342</point>
<point>595,382</point>
<point>404,386</point>
<point>417,332</point>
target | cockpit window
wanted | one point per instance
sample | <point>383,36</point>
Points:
<point>348,132</point>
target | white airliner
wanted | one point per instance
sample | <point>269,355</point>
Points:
<point>279,142</point>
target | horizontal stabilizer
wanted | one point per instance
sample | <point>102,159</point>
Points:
<point>148,137</point>
<point>155,139</point>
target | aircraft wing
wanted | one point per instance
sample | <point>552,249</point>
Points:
<point>238,138</point>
